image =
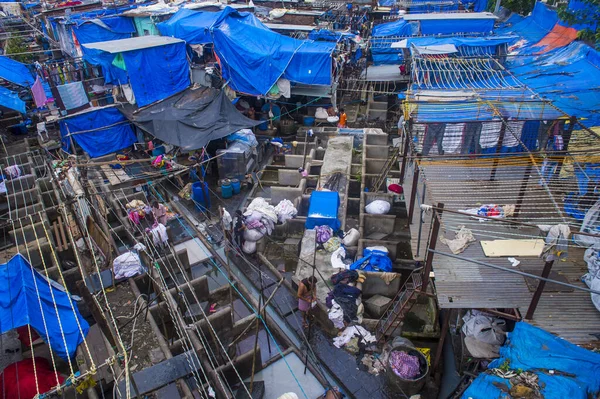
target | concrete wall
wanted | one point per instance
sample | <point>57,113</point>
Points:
<point>377,151</point>
<point>375,285</point>
<point>376,139</point>
<point>290,193</point>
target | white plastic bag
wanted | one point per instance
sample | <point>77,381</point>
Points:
<point>337,259</point>
<point>378,207</point>
<point>253,235</point>
<point>249,247</point>
<point>351,238</point>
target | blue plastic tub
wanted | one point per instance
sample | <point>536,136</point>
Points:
<point>309,120</point>
<point>200,195</point>
<point>226,189</point>
<point>236,186</point>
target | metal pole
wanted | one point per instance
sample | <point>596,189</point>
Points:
<point>228,265</point>
<point>432,243</point>
<point>522,190</point>
<point>498,149</point>
<point>438,351</point>
<point>404,156</point>
<point>540,288</point>
<point>413,193</point>
<point>421,222</point>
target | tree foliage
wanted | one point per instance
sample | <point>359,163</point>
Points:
<point>523,7</point>
<point>585,16</point>
<point>16,45</point>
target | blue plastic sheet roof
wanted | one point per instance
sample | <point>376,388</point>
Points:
<point>101,30</point>
<point>112,132</point>
<point>194,26</point>
<point>451,25</point>
<point>400,28</point>
<point>532,28</point>
<point>15,72</point>
<point>11,100</point>
<point>253,57</point>
<point>528,348</point>
<point>41,303</point>
<point>329,35</point>
<point>323,210</point>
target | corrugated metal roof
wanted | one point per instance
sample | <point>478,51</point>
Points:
<point>134,43</point>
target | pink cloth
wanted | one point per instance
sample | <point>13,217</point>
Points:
<point>39,95</point>
<point>134,217</point>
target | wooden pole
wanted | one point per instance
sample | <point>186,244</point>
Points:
<point>498,149</point>
<point>227,257</point>
<point>540,288</point>
<point>522,190</point>
<point>404,156</point>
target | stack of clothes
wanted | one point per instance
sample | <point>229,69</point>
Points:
<point>344,301</point>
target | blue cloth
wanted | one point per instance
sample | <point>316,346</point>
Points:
<point>27,298</point>
<point>450,25</point>
<point>11,100</point>
<point>114,132</point>
<point>15,72</point>
<point>323,210</point>
<point>105,29</point>
<point>156,73</point>
<point>373,261</point>
<point>531,349</point>
<point>253,57</point>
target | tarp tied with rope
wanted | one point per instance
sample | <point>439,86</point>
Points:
<point>28,298</point>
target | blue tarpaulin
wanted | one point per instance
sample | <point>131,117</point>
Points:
<point>327,35</point>
<point>101,30</point>
<point>28,298</point>
<point>533,28</point>
<point>323,210</point>
<point>15,72</point>
<point>11,100</point>
<point>399,28</point>
<point>158,72</point>
<point>194,26</point>
<point>576,371</point>
<point>253,58</point>
<point>111,73</point>
<point>111,132</point>
<point>373,260</point>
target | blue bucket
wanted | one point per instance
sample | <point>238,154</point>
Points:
<point>160,150</point>
<point>226,189</point>
<point>200,195</point>
<point>309,120</point>
<point>236,186</point>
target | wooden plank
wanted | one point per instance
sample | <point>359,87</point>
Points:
<point>61,227</point>
<point>57,237</point>
<point>501,248</point>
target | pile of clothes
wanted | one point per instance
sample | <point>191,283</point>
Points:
<point>375,259</point>
<point>592,277</point>
<point>137,210</point>
<point>404,365</point>
<point>491,211</point>
<point>484,334</point>
<point>129,264</point>
<point>344,301</point>
<point>261,217</point>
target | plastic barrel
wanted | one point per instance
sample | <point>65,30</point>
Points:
<point>236,186</point>
<point>200,195</point>
<point>309,120</point>
<point>226,189</point>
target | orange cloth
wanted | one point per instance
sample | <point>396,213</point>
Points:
<point>343,119</point>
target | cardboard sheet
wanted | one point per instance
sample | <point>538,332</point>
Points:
<point>499,248</point>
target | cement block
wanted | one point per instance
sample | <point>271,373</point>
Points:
<point>287,177</point>
<point>374,285</point>
<point>376,305</point>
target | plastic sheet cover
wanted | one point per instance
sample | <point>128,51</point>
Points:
<point>10,99</point>
<point>15,72</point>
<point>191,119</point>
<point>194,26</point>
<point>532,349</point>
<point>400,28</point>
<point>253,58</point>
<point>41,303</point>
<point>323,210</point>
<point>156,73</point>
<point>532,28</point>
<point>101,30</point>
<point>113,132</point>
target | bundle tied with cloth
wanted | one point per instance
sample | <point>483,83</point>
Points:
<point>260,219</point>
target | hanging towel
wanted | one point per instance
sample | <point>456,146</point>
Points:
<point>39,95</point>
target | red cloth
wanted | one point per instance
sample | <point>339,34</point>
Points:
<point>25,387</point>
<point>23,332</point>
<point>395,188</point>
